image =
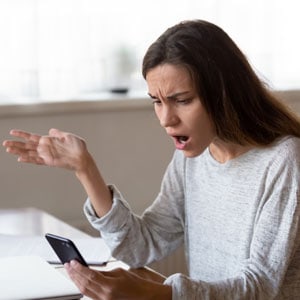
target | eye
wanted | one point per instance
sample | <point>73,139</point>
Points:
<point>156,102</point>
<point>183,101</point>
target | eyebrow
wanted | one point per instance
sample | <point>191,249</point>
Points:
<point>151,96</point>
<point>171,97</point>
<point>174,96</point>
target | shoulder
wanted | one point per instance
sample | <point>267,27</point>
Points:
<point>287,147</point>
<point>285,158</point>
<point>279,159</point>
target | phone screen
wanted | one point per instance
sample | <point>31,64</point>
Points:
<point>65,249</point>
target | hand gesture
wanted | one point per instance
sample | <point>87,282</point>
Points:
<point>58,149</point>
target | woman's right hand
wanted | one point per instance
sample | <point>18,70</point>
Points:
<point>58,149</point>
<point>64,150</point>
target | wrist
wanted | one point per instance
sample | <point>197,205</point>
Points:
<point>86,166</point>
<point>93,183</point>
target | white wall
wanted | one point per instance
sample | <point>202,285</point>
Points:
<point>125,138</point>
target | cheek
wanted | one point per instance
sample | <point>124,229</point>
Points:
<point>203,126</point>
<point>157,112</point>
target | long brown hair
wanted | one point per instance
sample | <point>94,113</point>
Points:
<point>241,107</point>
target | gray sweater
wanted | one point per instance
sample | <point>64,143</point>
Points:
<point>239,222</point>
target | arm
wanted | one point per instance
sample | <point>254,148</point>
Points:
<point>64,150</point>
<point>157,233</point>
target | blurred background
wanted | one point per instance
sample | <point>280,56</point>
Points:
<point>62,49</point>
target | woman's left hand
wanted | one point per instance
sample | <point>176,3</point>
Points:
<point>116,284</point>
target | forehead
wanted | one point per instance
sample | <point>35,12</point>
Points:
<point>168,78</point>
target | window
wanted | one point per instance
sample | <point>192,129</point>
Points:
<point>59,49</point>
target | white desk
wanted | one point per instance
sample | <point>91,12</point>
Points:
<point>32,221</point>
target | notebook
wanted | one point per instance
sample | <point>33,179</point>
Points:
<point>32,277</point>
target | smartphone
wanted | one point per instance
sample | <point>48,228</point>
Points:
<point>65,249</point>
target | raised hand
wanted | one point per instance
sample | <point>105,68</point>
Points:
<point>64,150</point>
<point>58,149</point>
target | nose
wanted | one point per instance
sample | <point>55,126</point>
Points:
<point>168,117</point>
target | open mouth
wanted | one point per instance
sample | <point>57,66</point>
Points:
<point>182,139</point>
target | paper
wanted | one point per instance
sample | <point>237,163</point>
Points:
<point>31,277</point>
<point>94,250</point>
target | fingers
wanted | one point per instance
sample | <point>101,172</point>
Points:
<point>20,148</point>
<point>25,135</point>
<point>89,282</point>
<point>25,154</point>
<point>93,275</point>
<point>26,150</point>
<point>32,160</point>
<point>14,145</point>
<point>115,284</point>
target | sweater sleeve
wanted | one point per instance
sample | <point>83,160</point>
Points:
<point>140,240</point>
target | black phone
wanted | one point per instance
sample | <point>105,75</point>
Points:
<point>65,249</point>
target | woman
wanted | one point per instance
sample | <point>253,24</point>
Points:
<point>230,193</point>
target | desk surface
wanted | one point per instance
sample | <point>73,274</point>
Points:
<point>32,221</point>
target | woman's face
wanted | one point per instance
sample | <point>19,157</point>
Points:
<point>179,109</point>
